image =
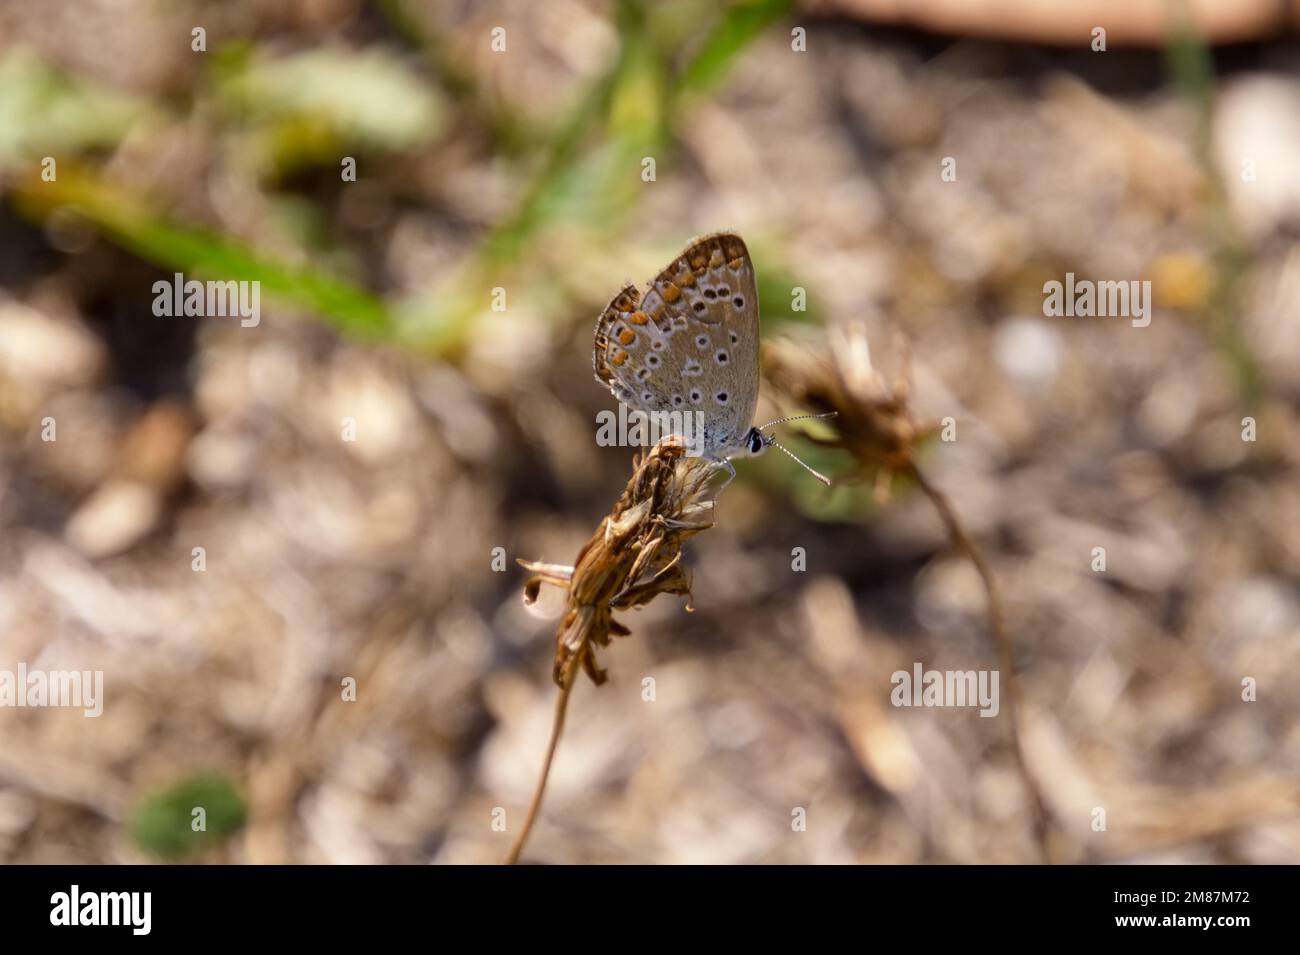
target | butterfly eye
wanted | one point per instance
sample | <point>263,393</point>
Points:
<point>755,441</point>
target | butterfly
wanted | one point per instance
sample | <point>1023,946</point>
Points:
<point>690,345</point>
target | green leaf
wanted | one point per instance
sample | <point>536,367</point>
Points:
<point>163,824</point>
<point>740,25</point>
<point>776,286</point>
<point>368,97</point>
<point>44,112</point>
<point>207,254</point>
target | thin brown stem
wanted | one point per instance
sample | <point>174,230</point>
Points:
<point>557,728</point>
<point>1002,643</point>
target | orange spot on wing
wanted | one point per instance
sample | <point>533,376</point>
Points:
<point>638,318</point>
<point>619,358</point>
<point>671,292</point>
<point>626,336</point>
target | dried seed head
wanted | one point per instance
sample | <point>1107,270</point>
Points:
<point>874,420</point>
<point>634,555</point>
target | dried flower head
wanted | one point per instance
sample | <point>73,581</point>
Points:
<point>635,554</point>
<point>874,420</point>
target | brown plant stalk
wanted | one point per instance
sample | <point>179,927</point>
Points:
<point>634,555</point>
<point>875,424</point>
<point>1001,642</point>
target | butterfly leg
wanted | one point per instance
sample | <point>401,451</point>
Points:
<point>731,475</point>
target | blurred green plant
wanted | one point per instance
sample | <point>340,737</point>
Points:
<point>203,253</point>
<point>844,502</point>
<point>586,181</point>
<point>775,282</point>
<point>308,107</point>
<point>636,103</point>
<point>512,131</point>
<point>738,26</point>
<point>1191,67</point>
<point>163,823</point>
<point>281,114</point>
<point>44,112</point>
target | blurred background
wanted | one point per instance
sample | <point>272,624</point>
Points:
<point>502,145</point>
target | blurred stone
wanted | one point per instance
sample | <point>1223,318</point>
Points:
<point>17,812</point>
<point>219,459</point>
<point>1258,608</point>
<point>1028,350</point>
<point>366,404</point>
<point>1256,140</point>
<point>41,351</point>
<point>115,517</point>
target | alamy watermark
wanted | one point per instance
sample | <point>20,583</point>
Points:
<point>73,688</point>
<point>242,300</point>
<point>75,907</point>
<point>1085,298</point>
<point>635,428</point>
<point>923,687</point>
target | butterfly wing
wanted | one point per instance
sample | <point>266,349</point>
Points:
<point>690,343</point>
<point>619,310</point>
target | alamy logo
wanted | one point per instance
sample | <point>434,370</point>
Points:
<point>103,908</point>
<point>242,300</point>
<point>1088,299</point>
<point>639,429</point>
<point>83,688</point>
<point>924,687</point>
